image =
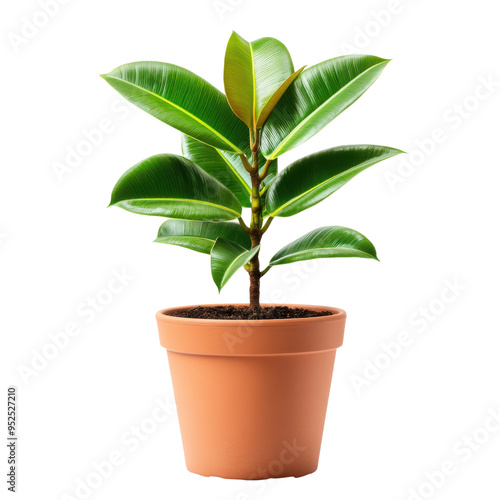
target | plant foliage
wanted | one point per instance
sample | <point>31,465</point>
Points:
<point>230,146</point>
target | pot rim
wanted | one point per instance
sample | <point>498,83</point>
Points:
<point>337,315</point>
<point>260,337</point>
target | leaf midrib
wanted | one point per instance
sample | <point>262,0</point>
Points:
<point>220,136</point>
<point>254,85</point>
<point>181,199</point>
<point>301,252</point>
<point>184,236</point>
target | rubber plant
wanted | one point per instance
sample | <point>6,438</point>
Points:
<point>251,385</point>
<point>230,149</point>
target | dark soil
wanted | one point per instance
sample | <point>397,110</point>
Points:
<point>232,312</point>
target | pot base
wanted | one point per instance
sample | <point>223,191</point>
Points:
<point>255,417</point>
<point>252,478</point>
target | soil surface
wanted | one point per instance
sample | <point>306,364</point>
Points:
<point>245,313</point>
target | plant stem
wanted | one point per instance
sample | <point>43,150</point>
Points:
<point>255,227</point>
<point>265,171</point>
<point>265,271</point>
<point>246,163</point>
<point>267,224</point>
<point>243,225</point>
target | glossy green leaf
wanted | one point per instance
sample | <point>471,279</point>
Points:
<point>326,242</point>
<point>201,236</point>
<point>271,104</point>
<point>183,100</point>
<point>226,167</point>
<point>315,98</point>
<point>172,186</point>
<point>253,73</point>
<point>226,258</point>
<point>312,178</point>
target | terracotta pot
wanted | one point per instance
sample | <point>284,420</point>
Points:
<point>251,396</point>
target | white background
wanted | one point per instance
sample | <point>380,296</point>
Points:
<point>432,215</point>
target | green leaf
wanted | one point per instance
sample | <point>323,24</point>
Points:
<point>315,98</point>
<point>172,186</point>
<point>183,100</point>
<point>315,177</point>
<point>253,73</point>
<point>226,258</point>
<point>271,104</point>
<point>226,167</point>
<point>326,242</point>
<point>201,236</point>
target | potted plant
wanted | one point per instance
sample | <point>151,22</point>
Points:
<point>251,381</point>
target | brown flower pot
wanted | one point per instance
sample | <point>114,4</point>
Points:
<point>252,395</point>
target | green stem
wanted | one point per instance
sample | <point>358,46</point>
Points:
<point>265,171</point>
<point>245,162</point>
<point>267,224</point>
<point>265,271</point>
<point>243,225</point>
